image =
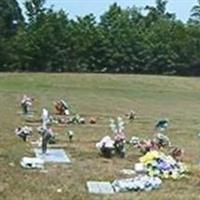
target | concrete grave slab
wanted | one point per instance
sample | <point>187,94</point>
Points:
<point>96,187</point>
<point>53,155</point>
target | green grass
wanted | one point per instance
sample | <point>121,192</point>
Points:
<point>101,96</point>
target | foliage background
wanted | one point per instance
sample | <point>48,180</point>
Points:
<point>123,40</point>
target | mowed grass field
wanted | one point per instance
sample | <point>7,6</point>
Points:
<point>103,97</point>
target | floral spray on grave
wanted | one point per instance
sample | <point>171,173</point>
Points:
<point>117,127</point>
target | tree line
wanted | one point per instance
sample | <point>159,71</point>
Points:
<point>121,41</point>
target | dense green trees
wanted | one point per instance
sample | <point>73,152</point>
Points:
<point>123,40</point>
<point>10,17</point>
<point>10,20</point>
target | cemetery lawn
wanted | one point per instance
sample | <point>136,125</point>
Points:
<point>101,96</point>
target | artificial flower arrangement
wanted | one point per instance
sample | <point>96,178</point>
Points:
<point>117,127</point>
